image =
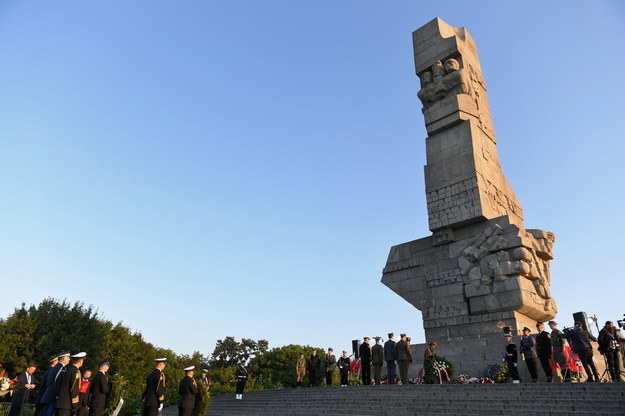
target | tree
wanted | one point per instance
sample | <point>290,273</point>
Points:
<point>229,352</point>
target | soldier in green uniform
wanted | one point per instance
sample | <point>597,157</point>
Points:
<point>404,358</point>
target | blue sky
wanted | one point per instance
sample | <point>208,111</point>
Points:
<point>201,169</point>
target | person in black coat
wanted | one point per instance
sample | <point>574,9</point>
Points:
<point>314,363</point>
<point>83,394</point>
<point>543,350</point>
<point>49,397</point>
<point>40,407</point>
<point>22,389</point>
<point>377,359</point>
<point>344,362</point>
<point>390,356</point>
<point>99,389</point>
<point>365,361</point>
<point>404,357</point>
<point>241,377</point>
<point>67,386</point>
<point>512,358</point>
<point>188,391</point>
<point>153,396</point>
<point>528,349</point>
<point>610,347</point>
<point>580,344</point>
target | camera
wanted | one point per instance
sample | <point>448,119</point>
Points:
<point>566,329</point>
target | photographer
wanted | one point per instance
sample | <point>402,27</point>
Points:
<point>609,346</point>
<point>580,344</point>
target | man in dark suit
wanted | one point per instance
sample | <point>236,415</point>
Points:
<point>67,387</point>
<point>153,396</point>
<point>22,389</point>
<point>404,358</point>
<point>543,350</point>
<point>580,344</point>
<point>313,368</point>
<point>377,359</point>
<point>390,357</point>
<point>49,397</point>
<point>365,361</point>
<point>188,391</point>
<point>40,407</point>
<point>99,389</point>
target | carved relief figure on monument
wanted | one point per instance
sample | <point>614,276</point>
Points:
<point>443,80</point>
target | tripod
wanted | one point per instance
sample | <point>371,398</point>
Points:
<point>603,377</point>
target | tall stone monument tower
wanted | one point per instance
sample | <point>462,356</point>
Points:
<point>480,269</point>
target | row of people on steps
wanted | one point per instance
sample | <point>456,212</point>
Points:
<point>548,348</point>
<point>392,353</point>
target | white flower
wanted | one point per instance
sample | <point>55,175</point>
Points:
<point>4,384</point>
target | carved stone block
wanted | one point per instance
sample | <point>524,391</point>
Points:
<point>480,268</point>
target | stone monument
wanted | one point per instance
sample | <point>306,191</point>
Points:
<point>480,269</point>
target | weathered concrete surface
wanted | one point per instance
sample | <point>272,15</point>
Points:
<point>480,269</point>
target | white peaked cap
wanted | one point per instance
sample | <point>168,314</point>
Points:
<point>190,368</point>
<point>79,355</point>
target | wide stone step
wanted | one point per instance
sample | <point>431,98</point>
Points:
<point>557,399</point>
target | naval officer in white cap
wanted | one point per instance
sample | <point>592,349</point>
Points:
<point>153,396</point>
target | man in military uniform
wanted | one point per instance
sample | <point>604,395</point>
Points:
<point>188,391</point>
<point>404,358</point>
<point>377,359</point>
<point>99,389</point>
<point>204,378</point>
<point>241,377</point>
<point>543,350</point>
<point>512,359</point>
<point>40,407</point>
<point>48,398</point>
<point>153,396</point>
<point>528,349</point>
<point>391,357</point>
<point>559,356</point>
<point>329,362</point>
<point>365,361</point>
<point>344,362</point>
<point>67,386</point>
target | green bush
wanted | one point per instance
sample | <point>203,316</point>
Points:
<point>202,401</point>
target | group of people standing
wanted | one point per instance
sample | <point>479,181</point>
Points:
<point>550,348</point>
<point>371,357</point>
<point>64,391</point>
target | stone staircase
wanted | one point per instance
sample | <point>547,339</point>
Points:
<point>556,399</point>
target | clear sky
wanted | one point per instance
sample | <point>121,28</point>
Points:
<point>199,169</point>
